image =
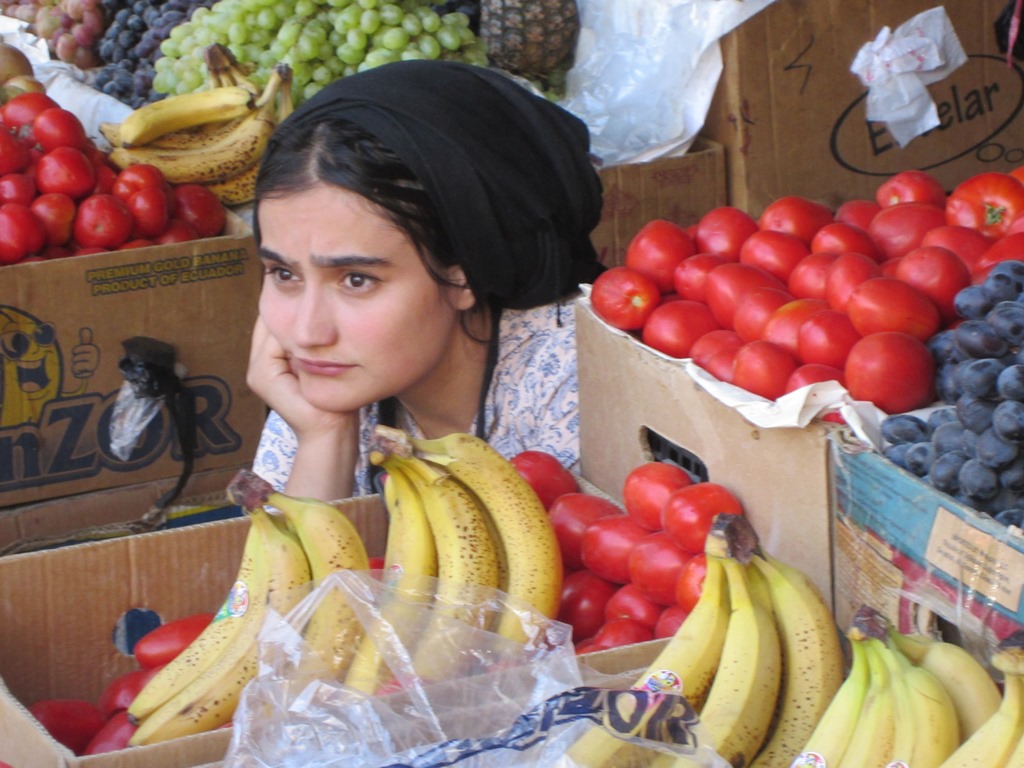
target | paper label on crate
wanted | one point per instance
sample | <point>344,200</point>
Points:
<point>662,681</point>
<point>236,604</point>
<point>809,760</point>
<point>977,559</point>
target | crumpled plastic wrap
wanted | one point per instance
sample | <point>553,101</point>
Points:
<point>494,702</point>
<point>644,72</point>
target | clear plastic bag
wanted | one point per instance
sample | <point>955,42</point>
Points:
<point>494,702</point>
<point>644,72</point>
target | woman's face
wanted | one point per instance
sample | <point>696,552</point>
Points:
<point>347,296</point>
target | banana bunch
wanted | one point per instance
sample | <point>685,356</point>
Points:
<point>215,136</point>
<point>759,658</point>
<point>461,515</point>
<point>907,700</point>
<point>299,543</point>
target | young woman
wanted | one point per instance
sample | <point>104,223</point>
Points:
<point>421,226</point>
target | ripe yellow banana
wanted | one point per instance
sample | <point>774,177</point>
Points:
<point>331,543</point>
<point>831,737</point>
<point>209,700</point>
<point>1016,759</point>
<point>686,664</point>
<point>230,155</point>
<point>738,712</point>
<point>874,733</point>
<point>812,660</point>
<point>974,692</point>
<point>526,537</point>
<point>193,138</point>
<point>997,739</point>
<point>241,608</point>
<point>180,111</point>
<point>410,561</point>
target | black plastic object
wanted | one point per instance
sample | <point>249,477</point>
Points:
<point>1007,26</point>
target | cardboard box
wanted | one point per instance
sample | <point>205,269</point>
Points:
<point>62,609</point>
<point>122,511</point>
<point>680,189</point>
<point>792,116</point>
<point>63,327</point>
<point>924,560</point>
<point>637,405</point>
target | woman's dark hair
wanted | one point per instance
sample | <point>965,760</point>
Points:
<point>341,154</point>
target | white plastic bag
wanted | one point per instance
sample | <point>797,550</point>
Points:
<point>644,72</point>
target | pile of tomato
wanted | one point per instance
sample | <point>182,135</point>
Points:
<point>805,294</point>
<point>60,196</point>
<point>632,572</point>
<point>95,727</point>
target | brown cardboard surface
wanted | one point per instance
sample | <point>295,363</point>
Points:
<point>792,116</point>
<point>680,189</point>
<point>60,610</point>
<point>72,315</point>
<point>780,475</point>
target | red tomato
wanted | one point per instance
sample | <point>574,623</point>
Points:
<point>691,275</point>
<point>72,722</point>
<point>619,632</point>
<point>139,242</point>
<point>629,602</point>
<point>570,514</point>
<point>67,170</point>
<point>689,511</point>
<point>938,273</point>
<point>122,690</point>
<point>969,244</point>
<point>57,127</point>
<point>161,645</point>
<point>657,249</point>
<point>673,327</point>
<point>548,477</point>
<point>21,233</point>
<point>987,202</point>
<point>201,208</point>
<point>796,216</point>
<point>777,253</point>
<point>671,618</point>
<point>722,231</point>
<point>889,304</point>
<point>23,108</point>
<point>647,486</point>
<point>139,176</point>
<point>840,237</point>
<point>728,284</point>
<point>893,370</point>
<point>899,229</point>
<point>911,186</point>
<point>606,545</point>
<point>56,211</point>
<point>114,735</point>
<point>711,344</point>
<point>14,156</point>
<point>17,188</point>
<point>583,601</point>
<point>858,213</point>
<point>756,309</point>
<point>844,274</point>
<point>783,327</point>
<point>1006,248</point>
<point>762,367</point>
<point>624,298</point>
<point>691,581</point>
<point>150,209</point>
<point>178,231</point>
<point>826,338</point>
<point>103,221</point>
<point>807,280</point>
<point>655,564</point>
<point>814,373</point>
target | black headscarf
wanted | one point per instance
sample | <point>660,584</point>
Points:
<point>508,171</point>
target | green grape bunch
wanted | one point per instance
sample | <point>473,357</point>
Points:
<point>321,40</point>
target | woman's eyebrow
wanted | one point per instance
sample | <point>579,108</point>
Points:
<point>346,260</point>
